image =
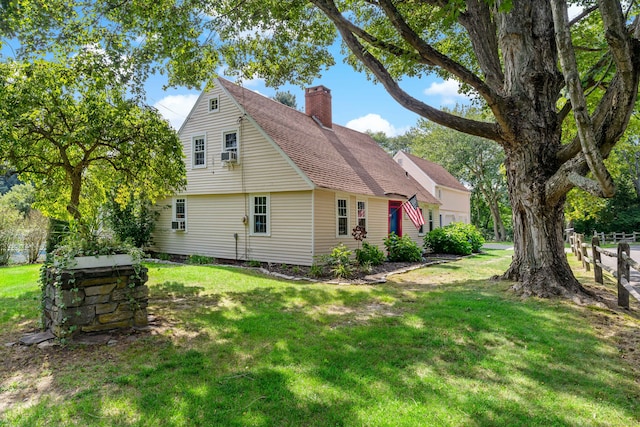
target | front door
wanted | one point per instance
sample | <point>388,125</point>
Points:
<point>395,217</point>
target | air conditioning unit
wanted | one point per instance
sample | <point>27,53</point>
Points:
<point>178,225</point>
<point>229,156</point>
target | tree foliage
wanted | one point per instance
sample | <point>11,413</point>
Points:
<point>71,131</point>
<point>471,159</point>
<point>286,98</point>
<point>393,144</point>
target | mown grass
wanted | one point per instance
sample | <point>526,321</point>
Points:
<point>437,346</point>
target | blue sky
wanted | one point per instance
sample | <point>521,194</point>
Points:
<point>358,103</point>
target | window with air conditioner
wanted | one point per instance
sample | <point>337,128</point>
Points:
<point>179,221</point>
<point>230,145</point>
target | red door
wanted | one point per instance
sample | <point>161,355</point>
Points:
<point>395,217</point>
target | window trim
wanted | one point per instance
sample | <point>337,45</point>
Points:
<point>174,209</point>
<point>421,231</point>
<point>213,98</point>
<point>252,214</point>
<point>346,199</point>
<point>193,151</point>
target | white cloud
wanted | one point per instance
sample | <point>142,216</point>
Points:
<point>176,108</point>
<point>374,123</point>
<point>447,91</point>
<point>574,10</point>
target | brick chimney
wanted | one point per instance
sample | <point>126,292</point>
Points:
<point>318,104</point>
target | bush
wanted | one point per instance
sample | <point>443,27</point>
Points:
<point>456,238</point>
<point>9,219</point>
<point>369,254</point>
<point>133,222</point>
<point>340,260</point>
<point>402,249</point>
<point>200,259</point>
<point>35,235</point>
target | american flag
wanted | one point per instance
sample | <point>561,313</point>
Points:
<point>413,211</point>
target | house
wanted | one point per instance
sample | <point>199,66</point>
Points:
<point>454,197</point>
<point>269,183</point>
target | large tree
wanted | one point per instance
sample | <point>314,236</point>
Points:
<point>71,131</point>
<point>535,69</point>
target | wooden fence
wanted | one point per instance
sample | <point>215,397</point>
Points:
<point>624,264</point>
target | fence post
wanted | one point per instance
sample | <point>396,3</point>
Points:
<point>597,259</point>
<point>578,248</point>
<point>623,271</point>
<point>585,264</point>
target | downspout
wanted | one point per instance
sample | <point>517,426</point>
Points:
<point>313,225</point>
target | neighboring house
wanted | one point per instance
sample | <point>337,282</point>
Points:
<point>455,198</point>
<point>269,183</point>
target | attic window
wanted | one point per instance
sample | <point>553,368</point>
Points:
<point>214,104</point>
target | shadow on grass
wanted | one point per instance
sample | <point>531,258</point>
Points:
<point>316,356</point>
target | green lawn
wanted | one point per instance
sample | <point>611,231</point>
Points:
<point>440,346</point>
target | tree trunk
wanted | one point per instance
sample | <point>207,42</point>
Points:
<point>539,265</point>
<point>76,188</point>
<point>498,226</point>
<point>491,198</point>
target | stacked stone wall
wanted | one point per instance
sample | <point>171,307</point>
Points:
<point>95,299</point>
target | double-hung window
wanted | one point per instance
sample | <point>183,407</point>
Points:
<point>421,229</point>
<point>362,214</point>
<point>430,220</point>
<point>343,217</point>
<point>199,149</point>
<point>260,214</point>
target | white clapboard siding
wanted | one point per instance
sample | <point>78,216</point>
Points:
<point>325,209</point>
<point>261,166</point>
<point>214,220</point>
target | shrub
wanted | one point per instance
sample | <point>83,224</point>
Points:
<point>199,259</point>
<point>316,270</point>
<point>162,256</point>
<point>369,254</point>
<point>340,260</point>
<point>133,222</point>
<point>9,218</point>
<point>456,238</point>
<point>35,234</point>
<point>402,249</point>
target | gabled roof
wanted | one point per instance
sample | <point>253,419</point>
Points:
<point>339,159</point>
<point>437,173</point>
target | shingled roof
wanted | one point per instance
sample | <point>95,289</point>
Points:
<point>437,173</point>
<point>338,158</point>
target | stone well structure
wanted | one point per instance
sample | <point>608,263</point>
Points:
<point>95,299</point>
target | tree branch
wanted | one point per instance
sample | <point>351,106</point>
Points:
<point>482,33</point>
<point>472,127</point>
<point>566,54</point>
<point>428,52</point>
